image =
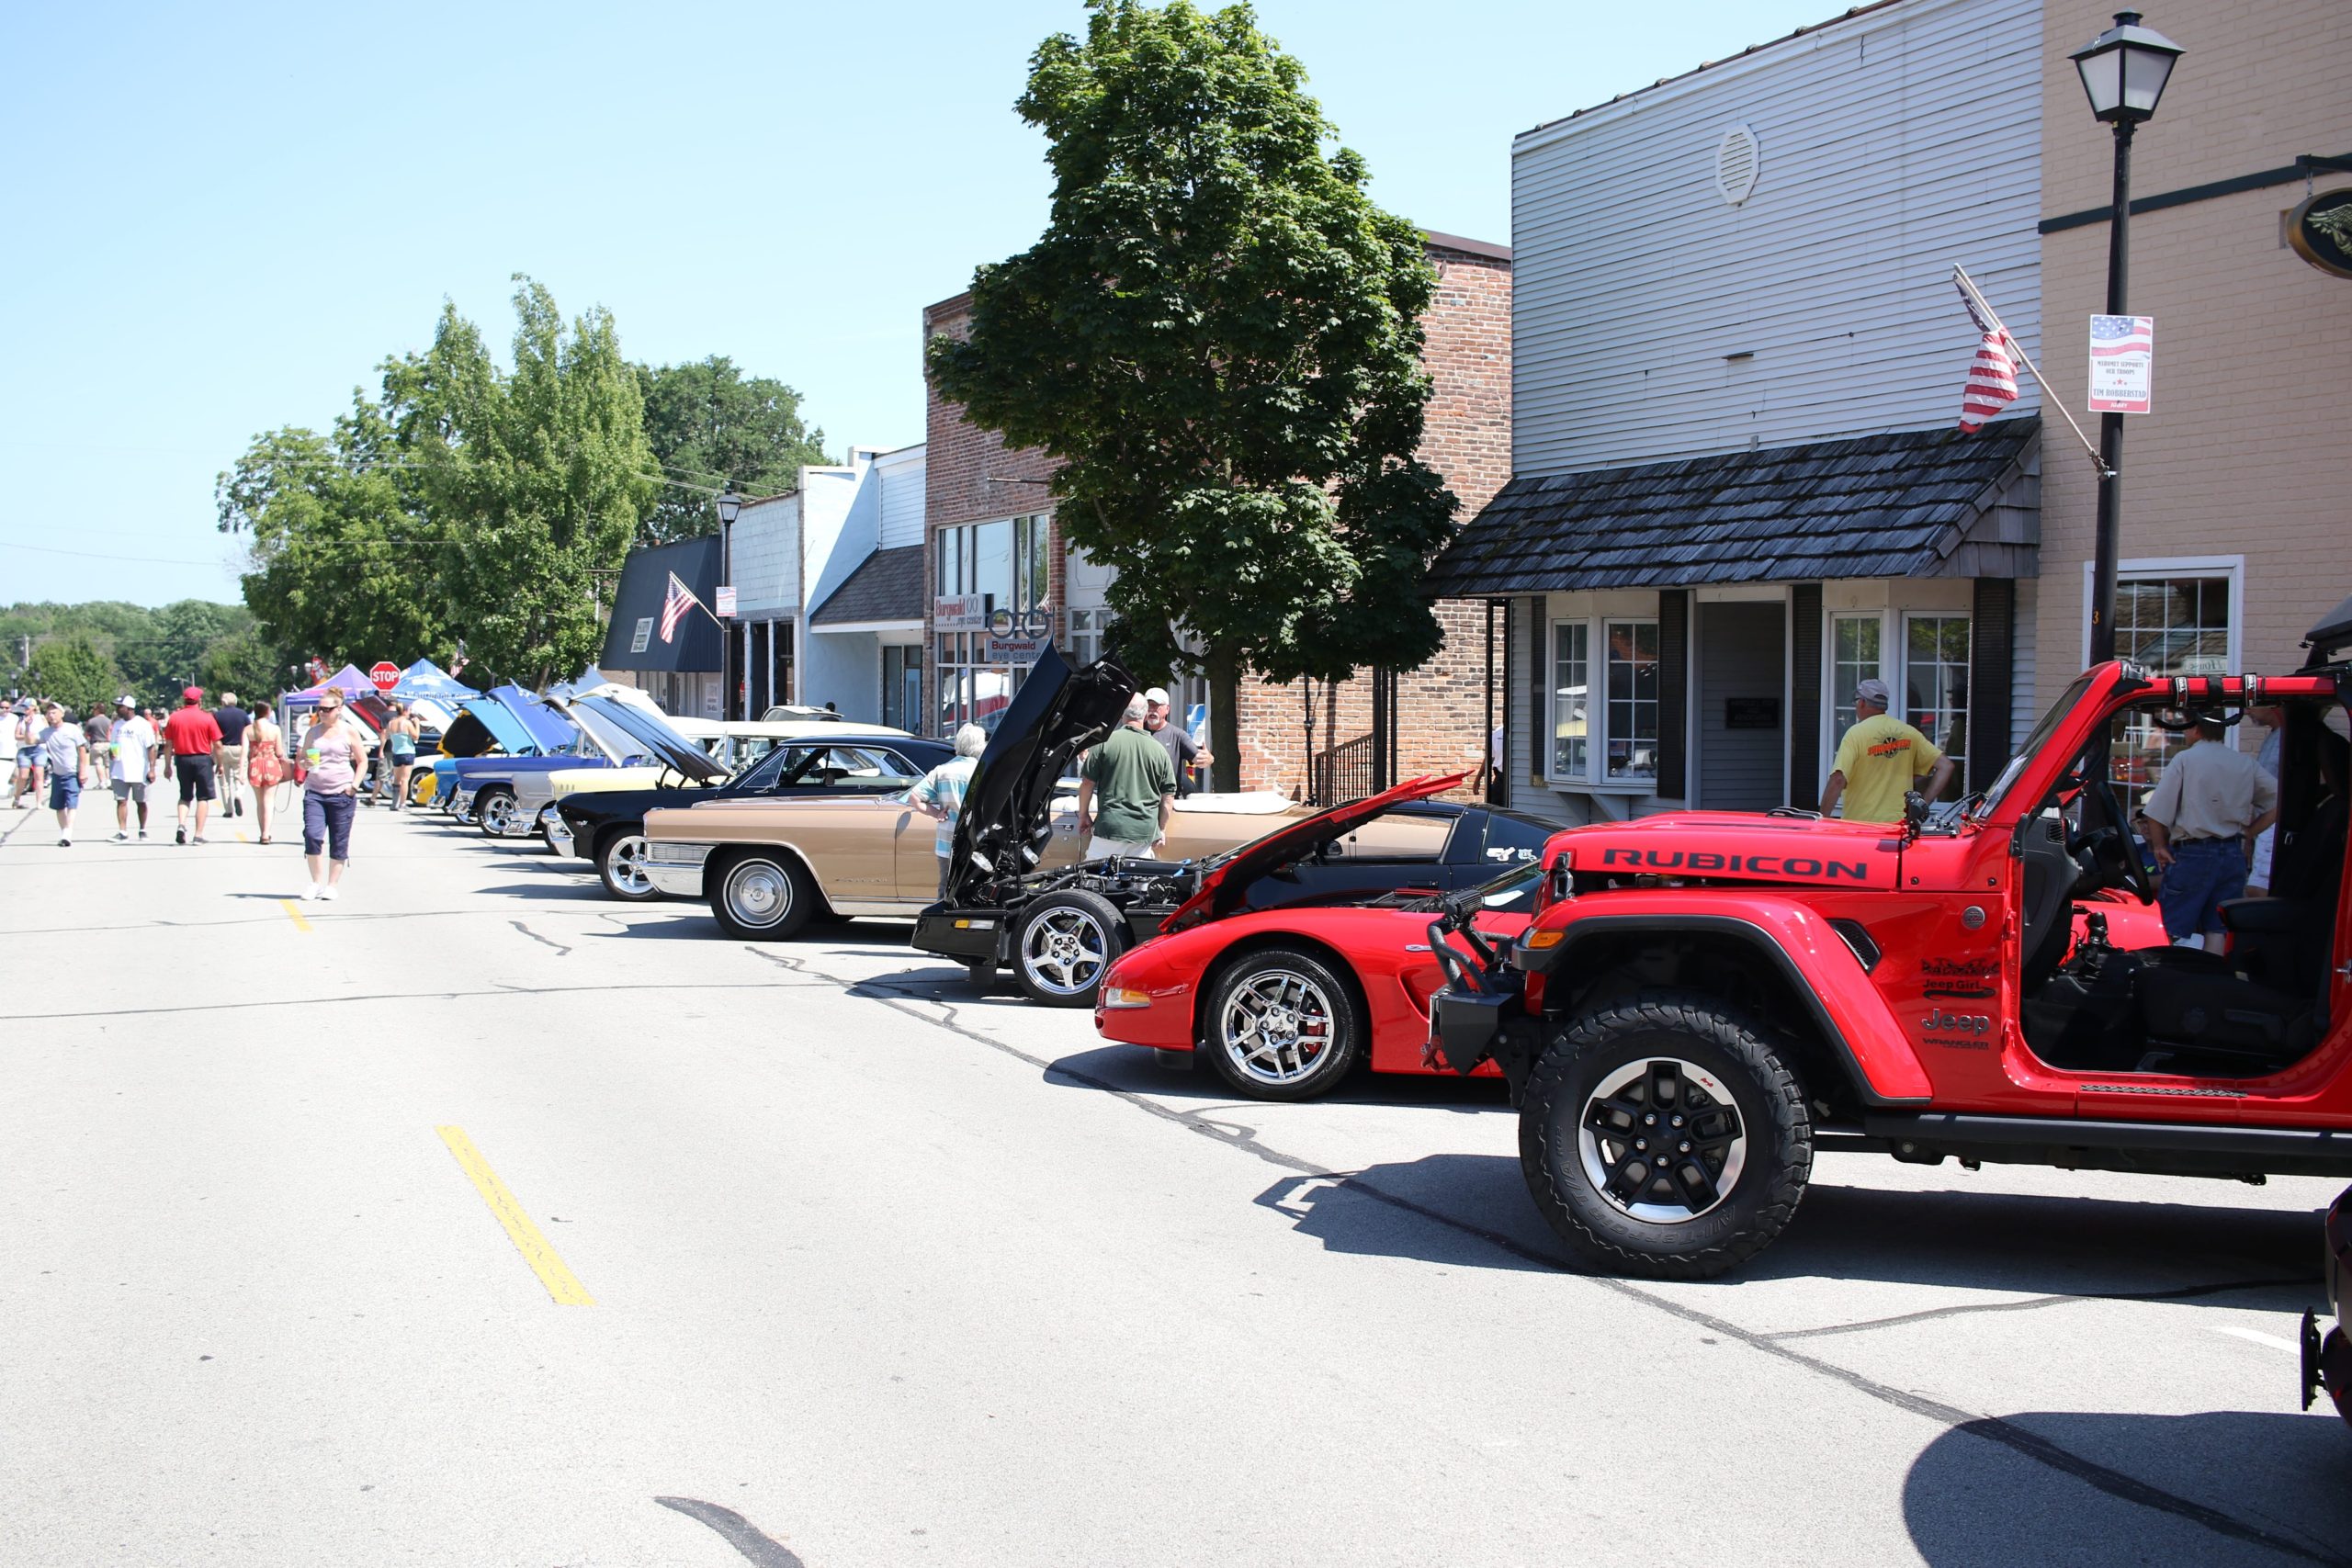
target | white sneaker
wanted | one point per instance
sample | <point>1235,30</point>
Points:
<point>311,894</point>
<point>123,837</point>
<point>65,841</point>
<point>330,893</point>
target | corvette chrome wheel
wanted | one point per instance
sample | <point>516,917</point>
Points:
<point>1276,1026</point>
<point>1065,950</point>
<point>1661,1140</point>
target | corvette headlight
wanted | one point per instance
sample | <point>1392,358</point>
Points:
<point>1125,996</point>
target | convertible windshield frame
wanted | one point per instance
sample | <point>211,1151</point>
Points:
<point>2052,720</point>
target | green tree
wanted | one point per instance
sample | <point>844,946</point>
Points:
<point>1218,337</point>
<point>71,669</point>
<point>708,423</point>
<point>537,480</point>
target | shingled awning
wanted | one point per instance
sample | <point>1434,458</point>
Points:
<point>884,588</point>
<point>1907,503</point>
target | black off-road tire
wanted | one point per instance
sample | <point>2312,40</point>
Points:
<point>620,853</point>
<point>1307,975</point>
<point>733,885</point>
<point>1656,1027</point>
<point>1092,933</point>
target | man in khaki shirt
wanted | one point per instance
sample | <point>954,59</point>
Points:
<point>2211,802</point>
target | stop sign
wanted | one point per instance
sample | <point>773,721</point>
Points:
<point>386,675</point>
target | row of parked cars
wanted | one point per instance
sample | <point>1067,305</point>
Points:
<point>1684,1007</point>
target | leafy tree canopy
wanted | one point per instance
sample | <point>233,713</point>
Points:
<point>71,669</point>
<point>708,423</point>
<point>1218,337</point>
<point>153,653</point>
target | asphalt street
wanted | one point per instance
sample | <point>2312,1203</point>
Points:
<point>474,1219</point>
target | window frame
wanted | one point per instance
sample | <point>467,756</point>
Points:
<point>2146,569</point>
<point>1595,779</point>
<point>1904,617</point>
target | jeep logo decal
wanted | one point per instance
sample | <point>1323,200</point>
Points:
<point>1701,860</point>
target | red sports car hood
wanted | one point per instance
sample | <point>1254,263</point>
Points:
<point>1224,882</point>
<point>1741,846</point>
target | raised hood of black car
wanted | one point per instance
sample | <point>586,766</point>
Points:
<point>665,745</point>
<point>1007,817</point>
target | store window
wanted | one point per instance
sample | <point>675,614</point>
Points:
<point>2176,624</point>
<point>902,686</point>
<point>1007,563</point>
<point>1935,683</point>
<point>1609,737</point>
<point>1084,644</point>
<point>1853,659</point>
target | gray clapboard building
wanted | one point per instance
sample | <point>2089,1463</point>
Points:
<point>1737,356</point>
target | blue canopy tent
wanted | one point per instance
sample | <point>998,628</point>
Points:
<point>428,681</point>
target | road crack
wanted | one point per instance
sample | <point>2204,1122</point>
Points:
<point>560,950</point>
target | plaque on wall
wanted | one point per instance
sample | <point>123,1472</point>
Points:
<point>2321,231</point>
<point>1751,713</point>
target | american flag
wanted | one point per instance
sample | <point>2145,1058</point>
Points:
<point>675,607</point>
<point>2121,334</point>
<point>1992,382</point>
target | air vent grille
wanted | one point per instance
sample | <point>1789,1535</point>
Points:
<point>1737,158</point>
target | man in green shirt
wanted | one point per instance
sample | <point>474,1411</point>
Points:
<point>1877,760</point>
<point>1125,789</point>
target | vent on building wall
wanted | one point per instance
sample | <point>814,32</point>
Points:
<point>1736,158</point>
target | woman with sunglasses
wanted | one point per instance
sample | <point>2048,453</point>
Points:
<point>336,758</point>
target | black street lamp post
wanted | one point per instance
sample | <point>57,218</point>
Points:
<point>2123,71</point>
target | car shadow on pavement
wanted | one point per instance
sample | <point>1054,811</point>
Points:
<point>1471,1208</point>
<point>585,892</point>
<point>1134,1070</point>
<point>2238,1485</point>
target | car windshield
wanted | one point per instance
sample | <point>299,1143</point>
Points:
<point>2068,700</point>
<point>1514,891</point>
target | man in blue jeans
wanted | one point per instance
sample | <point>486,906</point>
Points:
<point>2206,811</point>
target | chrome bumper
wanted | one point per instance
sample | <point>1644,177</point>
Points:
<point>558,832</point>
<point>677,869</point>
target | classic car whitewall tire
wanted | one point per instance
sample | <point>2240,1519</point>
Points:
<point>761,895</point>
<point>620,862</point>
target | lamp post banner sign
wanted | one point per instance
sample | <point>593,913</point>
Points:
<point>726,610</point>
<point>2123,354</point>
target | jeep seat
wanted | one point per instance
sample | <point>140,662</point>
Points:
<point>2226,1025</point>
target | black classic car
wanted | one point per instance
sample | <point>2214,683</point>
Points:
<point>1058,930</point>
<point>2328,1358</point>
<point>607,827</point>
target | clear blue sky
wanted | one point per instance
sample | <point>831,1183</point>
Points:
<point>220,224</point>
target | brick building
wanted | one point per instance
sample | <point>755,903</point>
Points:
<point>992,545</point>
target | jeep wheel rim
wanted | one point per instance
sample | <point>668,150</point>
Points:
<point>1661,1140</point>
<point>498,814</point>
<point>1064,951</point>
<point>626,863</point>
<point>1277,1027</point>
<point>758,893</point>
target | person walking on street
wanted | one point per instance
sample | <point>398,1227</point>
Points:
<point>26,730</point>
<point>98,730</point>
<point>132,743</point>
<point>1183,751</point>
<point>1126,790</point>
<point>939,794</point>
<point>399,751</point>
<point>1878,760</point>
<point>66,752</point>
<point>193,736</point>
<point>233,721</point>
<point>337,760</point>
<point>265,764</point>
<point>2202,817</point>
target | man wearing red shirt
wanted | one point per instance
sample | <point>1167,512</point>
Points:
<point>193,737</point>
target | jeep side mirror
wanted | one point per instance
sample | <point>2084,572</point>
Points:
<point>1560,880</point>
<point>1914,812</point>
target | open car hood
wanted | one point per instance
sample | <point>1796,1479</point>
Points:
<point>1225,881</point>
<point>653,737</point>
<point>1057,713</point>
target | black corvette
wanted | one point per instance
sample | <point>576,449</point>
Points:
<point>607,827</point>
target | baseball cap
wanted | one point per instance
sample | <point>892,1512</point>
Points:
<point>193,695</point>
<point>1157,695</point>
<point>126,701</point>
<point>1871,691</point>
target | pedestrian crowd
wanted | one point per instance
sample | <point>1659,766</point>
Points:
<point>215,756</point>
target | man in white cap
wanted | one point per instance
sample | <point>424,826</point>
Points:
<point>132,741</point>
<point>1878,760</point>
<point>1183,751</point>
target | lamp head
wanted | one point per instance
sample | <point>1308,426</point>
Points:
<point>2125,68</point>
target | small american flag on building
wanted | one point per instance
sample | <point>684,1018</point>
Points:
<point>674,606</point>
<point>1992,382</point>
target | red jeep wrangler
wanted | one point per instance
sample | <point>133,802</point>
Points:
<point>1704,998</point>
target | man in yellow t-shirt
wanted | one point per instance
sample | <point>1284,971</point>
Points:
<point>1877,760</point>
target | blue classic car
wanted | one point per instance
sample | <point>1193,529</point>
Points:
<point>505,729</point>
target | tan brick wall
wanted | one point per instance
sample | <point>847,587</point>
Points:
<point>2243,454</point>
<point>1441,707</point>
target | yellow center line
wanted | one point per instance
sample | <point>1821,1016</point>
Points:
<point>240,837</point>
<point>294,914</point>
<point>560,1282</point>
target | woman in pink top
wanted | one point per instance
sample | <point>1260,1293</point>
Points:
<point>336,758</point>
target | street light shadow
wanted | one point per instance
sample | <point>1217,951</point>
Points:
<point>2219,1486</point>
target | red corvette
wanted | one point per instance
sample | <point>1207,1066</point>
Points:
<point>1283,1002</point>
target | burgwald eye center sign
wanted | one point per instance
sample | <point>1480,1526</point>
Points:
<point>2123,353</point>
